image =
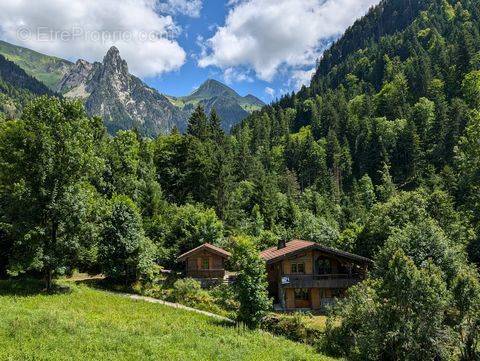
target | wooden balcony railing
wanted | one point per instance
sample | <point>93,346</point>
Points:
<point>320,281</point>
<point>206,273</point>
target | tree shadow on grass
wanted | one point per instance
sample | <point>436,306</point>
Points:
<point>25,287</point>
<point>104,284</point>
<point>229,324</point>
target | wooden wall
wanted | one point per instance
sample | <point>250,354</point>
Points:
<point>308,258</point>
<point>316,295</point>
<point>302,258</point>
<point>195,261</point>
<point>289,298</point>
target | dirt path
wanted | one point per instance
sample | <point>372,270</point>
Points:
<point>175,305</point>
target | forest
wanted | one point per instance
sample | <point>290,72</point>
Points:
<point>379,156</point>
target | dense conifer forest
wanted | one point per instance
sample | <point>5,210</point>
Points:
<point>379,156</point>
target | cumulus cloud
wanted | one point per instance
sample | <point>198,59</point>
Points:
<point>269,34</point>
<point>190,8</point>
<point>75,29</point>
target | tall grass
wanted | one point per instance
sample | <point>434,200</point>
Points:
<point>88,324</point>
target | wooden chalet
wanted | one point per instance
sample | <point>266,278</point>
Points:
<point>205,262</point>
<point>307,275</point>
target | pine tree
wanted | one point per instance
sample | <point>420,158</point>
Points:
<point>386,188</point>
<point>198,124</point>
<point>215,125</point>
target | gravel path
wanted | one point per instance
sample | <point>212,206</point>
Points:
<point>175,305</point>
<point>84,277</point>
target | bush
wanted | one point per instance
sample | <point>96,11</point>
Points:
<point>224,296</point>
<point>294,327</point>
<point>186,290</point>
<point>189,292</point>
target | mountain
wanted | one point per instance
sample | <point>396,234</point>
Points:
<point>231,107</point>
<point>125,102</point>
<point>121,99</point>
<point>17,88</point>
<point>46,69</point>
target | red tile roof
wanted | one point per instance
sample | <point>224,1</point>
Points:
<point>274,254</point>
<point>206,246</point>
<point>292,246</point>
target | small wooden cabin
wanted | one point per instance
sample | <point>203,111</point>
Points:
<point>307,275</point>
<point>205,262</point>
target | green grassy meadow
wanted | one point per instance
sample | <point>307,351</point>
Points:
<point>88,324</point>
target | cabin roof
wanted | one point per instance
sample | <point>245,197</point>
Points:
<point>205,247</point>
<point>274,254</point>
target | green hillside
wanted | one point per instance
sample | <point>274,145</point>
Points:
<point>47,69</point>
<point>17,88</point>
<point>92,325</point>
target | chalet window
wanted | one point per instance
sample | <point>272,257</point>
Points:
<point>324,266</point>
<point>297,268</point>
<point>344,269</point>
<point>302,294</point>
<point>205,263</point>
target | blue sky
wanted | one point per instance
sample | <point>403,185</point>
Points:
<point>190,76</point>
<point>262,47</point>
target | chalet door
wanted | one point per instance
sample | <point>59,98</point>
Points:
<point>302,298</point>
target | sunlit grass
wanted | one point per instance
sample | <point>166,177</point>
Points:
<point>87,324</point>
<point>319,322</point>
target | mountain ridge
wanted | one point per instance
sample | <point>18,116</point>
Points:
<point>45,68</point>
<point>121,99</point>
<point>17,88</point>
<point>125,101</point>
<point>231,107</point>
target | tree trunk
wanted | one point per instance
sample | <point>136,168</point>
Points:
<point>50,249</point>
<point>48,279</point>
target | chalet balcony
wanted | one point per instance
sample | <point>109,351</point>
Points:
<point>206,273</point>
<point>320,281</point>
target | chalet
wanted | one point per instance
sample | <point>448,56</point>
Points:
<point>307,275</point>
<point>206,262</point>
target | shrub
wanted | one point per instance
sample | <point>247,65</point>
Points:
<point>186,290</point>
<point>224,296</point>
<point>294,327</point>
<point>189,292</point>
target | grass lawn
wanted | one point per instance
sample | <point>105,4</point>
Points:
<point>87,324</point>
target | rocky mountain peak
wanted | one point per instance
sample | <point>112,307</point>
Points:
<point>113,53</point>
<point>113,61</point>
<point>81,63</point>
<point>83,67</point>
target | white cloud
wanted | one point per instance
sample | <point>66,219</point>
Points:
<point>233,75</point>
<point>270,92</point>
<point>301,77</point>
<point>191,8</point>
<point>75,29</point>
<point>269,34</point>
